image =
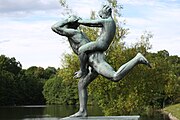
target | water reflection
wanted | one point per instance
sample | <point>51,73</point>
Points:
<point>156,115</point>
<point>20,112</point>
<point>54,112</point>
<point>59,110</point>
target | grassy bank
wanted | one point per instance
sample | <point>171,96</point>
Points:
<point>174,110</point>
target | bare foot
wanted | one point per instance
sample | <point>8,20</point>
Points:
<point>78,74</point>
<point>79,114</point>
<point>143,60</point>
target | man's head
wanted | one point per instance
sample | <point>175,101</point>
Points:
<point>105,12</point>
<point>73,22</point>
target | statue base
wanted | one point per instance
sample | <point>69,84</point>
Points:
<point>103,118</point>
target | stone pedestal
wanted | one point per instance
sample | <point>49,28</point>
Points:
<point>104,118</point>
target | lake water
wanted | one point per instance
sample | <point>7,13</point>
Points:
<point>55,112</point>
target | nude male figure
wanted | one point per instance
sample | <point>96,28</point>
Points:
<point>96,60</point>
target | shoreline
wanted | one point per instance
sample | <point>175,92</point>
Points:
<point>171,117</point>
<point>173,111</point>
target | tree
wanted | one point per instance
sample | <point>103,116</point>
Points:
<point>49,72</point>
<point>29,89</point>
<point>9,68</point>
<point>10,64</point>
<point>19,86</point>
<point>62,88</point>
<point>53,91</point>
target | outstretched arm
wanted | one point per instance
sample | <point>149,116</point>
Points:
<point>91,23</point>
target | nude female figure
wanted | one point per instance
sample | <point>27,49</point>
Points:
<point>96,60</point>
<point>108,29</point>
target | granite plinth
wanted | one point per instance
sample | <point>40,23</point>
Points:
<point>103,118</point>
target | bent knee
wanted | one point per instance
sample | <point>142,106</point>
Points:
<point>116,78</point>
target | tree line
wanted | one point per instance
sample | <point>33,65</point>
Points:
<point>141,89</point>
<point>22,86</point>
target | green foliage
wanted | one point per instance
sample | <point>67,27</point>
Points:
<point>62,88</point>
<point>9,68</point>
<point>22,87</point>
<point>49,72</point>
<point>7,85</point>
<point>52,91</point>
<point>10,64</point>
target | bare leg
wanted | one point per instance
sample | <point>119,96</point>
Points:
<point>83,66</point>
<point>107,71</point>
<point>83,94</point>
<point>127,67</point>
<point>83,57</point>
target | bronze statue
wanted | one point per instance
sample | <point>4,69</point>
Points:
<point>95,58</point>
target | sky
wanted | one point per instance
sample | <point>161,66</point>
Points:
<point>25,31</point>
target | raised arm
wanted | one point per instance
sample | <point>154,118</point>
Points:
<point>92,23</point>
<point>61,28</point>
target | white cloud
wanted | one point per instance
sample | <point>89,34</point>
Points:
<point>33,43</point>
<point>152,3</point>
<point>162,20</point>
<point>140,2</point>
<point>4,41</point>
<point>27,5</point>
<point>26,35</point>
<point>24,8</point>
<point>83,8</point>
